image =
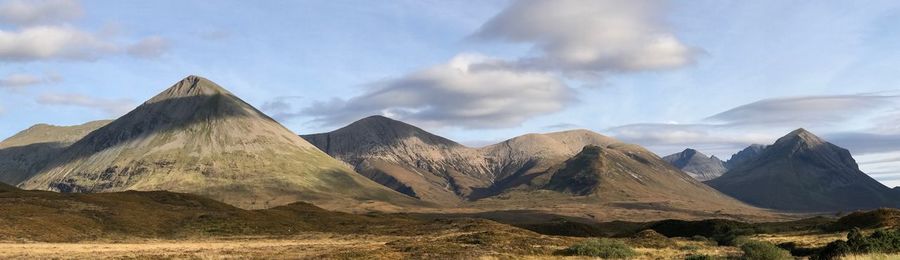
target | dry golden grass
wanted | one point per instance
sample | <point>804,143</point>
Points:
<point>802,239</point>
<point>872,257</point>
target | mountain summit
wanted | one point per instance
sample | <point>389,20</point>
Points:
<point>802,172</point>
<point>697,164</point>
<point>196,137</point>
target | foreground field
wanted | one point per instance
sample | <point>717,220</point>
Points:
<point>451,244</point>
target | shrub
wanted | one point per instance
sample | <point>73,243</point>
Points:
<point>880,241</point>
<point>756,250</point>
<point>650,239</point>
<point>833,250</point>
<point>602,247</point>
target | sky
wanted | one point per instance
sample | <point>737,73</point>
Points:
<point>707,74</point>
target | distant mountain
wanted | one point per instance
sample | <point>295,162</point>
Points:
<point>407,158</point>
<point>745,155</point>
<point>197,137</point>
<point>697,164</point>
<point>27,152</point>
<point>626,172</point>
<point>802,172</point>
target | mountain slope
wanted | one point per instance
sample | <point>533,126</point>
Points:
<point>748,154</point>
<point>27,152</point>
<point>697,164</point>
<point>625,172</point>
<point>406,158</point>
<point>196,137</point>
<point>805,173</point>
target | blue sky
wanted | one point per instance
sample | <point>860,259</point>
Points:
<point>713,75</point>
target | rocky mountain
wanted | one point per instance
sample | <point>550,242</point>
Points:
<point>432,168</point>
<point>697,164</point>
<point>802,172</point>
<point>196,137</point>
<point>407,158</point>
<point>28,151</point>
<point>627,172</point>
<point>745,155</point>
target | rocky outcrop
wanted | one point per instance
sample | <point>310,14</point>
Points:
<point>745,155</point>
<point>697,164</point>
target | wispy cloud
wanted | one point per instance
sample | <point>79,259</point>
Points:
<point>765,120</point>
<point>150,47</point>
<point>114,107</point>
<point>801,111</point>
<point>20,80</point>
<point>454,94</point>
<point>33,12</point>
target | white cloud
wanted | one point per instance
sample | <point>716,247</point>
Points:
<point>113,107</point>
<point>457,93</point>
<point>39,11</point>
<point>590,36</point>
<point>52,42</point>
<point>42,34</point>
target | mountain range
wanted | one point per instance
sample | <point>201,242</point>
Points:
<point>196,137</point>
<point>575,167</point>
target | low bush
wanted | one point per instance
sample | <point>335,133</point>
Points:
<point>600,247</point>
<point>880,241</point>
<point>756,250</point>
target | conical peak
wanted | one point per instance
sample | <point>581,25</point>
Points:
<point>801,136</point>
<point>192,86</point>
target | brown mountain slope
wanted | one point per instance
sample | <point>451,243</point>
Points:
<point>802,172</point>
<point>432,168</point>
<point>196,137</point>
<point>407,158</point>
<point>27,152</point>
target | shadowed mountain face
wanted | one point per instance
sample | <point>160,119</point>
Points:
<point>432,168</point>
<point>196,137</point>
<point>802,172</point>
<point>748,154</point>
<point>697,164</point>
<point>625,172</point>
<point>27,152</point>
